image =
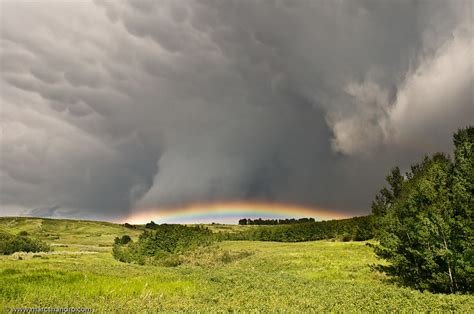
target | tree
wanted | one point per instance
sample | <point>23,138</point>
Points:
<point>425,221</point>
<point>125,239</point>
<point>243,221</point>
<point>385,198</point>
<point>151,225</point>
<point>10,244</point>
<point>462,199</point>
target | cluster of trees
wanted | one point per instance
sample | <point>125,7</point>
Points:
<point>260,221</point>
<point>424,220</point>
<point>10,244</point>
<point>356,228</point>
<point>162,245</point>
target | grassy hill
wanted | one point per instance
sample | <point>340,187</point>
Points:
<point>73,233</point>
<point>233,275</point>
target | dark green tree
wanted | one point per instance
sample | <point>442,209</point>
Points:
<point>385,198</point>
<point>425,221</point>
<point>125,239</point>
<point>21,243</point>
<point>462,199</point>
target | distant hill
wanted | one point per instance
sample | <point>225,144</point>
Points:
<point>61,231</point>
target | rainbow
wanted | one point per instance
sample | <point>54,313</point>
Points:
<point>229,212</point>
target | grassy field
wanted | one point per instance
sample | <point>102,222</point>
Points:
<point>230,276</point>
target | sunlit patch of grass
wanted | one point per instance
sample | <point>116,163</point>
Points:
<point>63,231</point>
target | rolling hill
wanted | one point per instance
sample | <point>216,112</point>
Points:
<point>229,276</point>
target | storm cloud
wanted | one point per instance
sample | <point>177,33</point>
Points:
<point>111,107</point>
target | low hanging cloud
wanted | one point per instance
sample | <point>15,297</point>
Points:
<point>110,107</point>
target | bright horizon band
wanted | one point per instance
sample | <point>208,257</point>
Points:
<point>230,212</point>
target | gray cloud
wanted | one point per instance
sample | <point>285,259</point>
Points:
<point>109,107</point>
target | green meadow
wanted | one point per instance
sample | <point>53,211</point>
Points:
<point>245,276</point>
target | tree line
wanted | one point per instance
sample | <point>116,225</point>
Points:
<point>260,221</point>
<point>356,228</point>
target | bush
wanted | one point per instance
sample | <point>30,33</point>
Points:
<point>129,226</point>
<point>10,244</point>
<point>346,237</point>
<point>163,245</point>
<point>125,239</point>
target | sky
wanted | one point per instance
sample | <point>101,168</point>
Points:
<point>113,109</point>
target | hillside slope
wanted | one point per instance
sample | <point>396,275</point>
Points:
<point>73,233</point>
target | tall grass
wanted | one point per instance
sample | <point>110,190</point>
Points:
<point>228,276</point>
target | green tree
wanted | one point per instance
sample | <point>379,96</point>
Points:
<point>425,221</point>
<point>125,239</point>
<point>462,198</point>
<point>385,198</point>
<point>10,244</point>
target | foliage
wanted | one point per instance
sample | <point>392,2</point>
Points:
<point>23,233</point>
<point>151,225</point>
<point>10,244</point>
<point>425,224</point>
<point>260,221</point>
<point>125,239</point>
<point>129,226</point>
<point>356,228</point>
<point>163,244</point>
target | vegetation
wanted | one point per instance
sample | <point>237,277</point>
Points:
<point>127,225</point>
<point>10,244</point>
<point>76,234</point>
<point>226,276</point>
<point>425,221</point>
<point>260,221</point>
<point>356,228</point>
<point>422,223</point>
<point>164,244</point>
<point>125,239</point>
<point>151,225</point>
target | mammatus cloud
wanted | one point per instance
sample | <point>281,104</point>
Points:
<point>110,107</point>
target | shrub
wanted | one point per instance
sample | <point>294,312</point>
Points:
<point>129,226</point>
<point>23,233</point>
<point>163,245</point>
<point>125,239</point>
<point>346,237</point>
<point>10,244</point>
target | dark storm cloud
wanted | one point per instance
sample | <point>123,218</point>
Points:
<point>113,106</point>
